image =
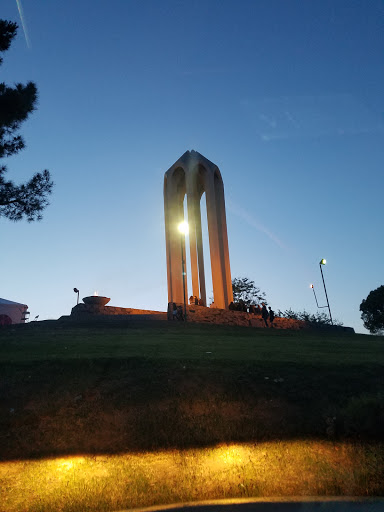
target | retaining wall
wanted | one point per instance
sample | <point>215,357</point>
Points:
<point>195,314</point>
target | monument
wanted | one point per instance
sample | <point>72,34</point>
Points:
<point>192,175</point>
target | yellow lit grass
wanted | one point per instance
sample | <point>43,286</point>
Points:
<point>273,469</point>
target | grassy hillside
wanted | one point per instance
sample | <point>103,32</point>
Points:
<point>112,389</point>
<point>69,389</point>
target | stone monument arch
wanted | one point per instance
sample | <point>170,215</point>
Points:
<point>192,175</point>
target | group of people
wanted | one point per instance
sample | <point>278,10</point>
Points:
<point>267,315</point>
<point>176,312</point>
<point>259,310</point>
<point>195,301</point>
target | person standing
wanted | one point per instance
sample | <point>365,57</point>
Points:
<point>179,313</point>
<point>271,316</point>
<point>264,314</point>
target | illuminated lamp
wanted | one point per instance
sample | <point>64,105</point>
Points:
<point>183,228</point>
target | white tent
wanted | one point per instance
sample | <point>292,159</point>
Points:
<point>14,310</point>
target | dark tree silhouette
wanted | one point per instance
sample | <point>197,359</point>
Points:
<point>372,311</point>
<point>29,199</point>
<point>246,290</point>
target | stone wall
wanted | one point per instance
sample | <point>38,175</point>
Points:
<point>195,314</point>
<point>200,314</point>
<point>87,311</point>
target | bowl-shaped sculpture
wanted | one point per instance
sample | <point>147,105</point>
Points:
<point>96,300</point>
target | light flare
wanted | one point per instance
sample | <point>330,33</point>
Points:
<point>183,228</point>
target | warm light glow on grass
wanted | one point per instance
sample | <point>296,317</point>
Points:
<point>69,463</point>
<point>232,454</point>
<point>116,482</point>
<point>183,228</point>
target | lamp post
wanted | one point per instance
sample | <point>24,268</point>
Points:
<point>313,289</point>
<point>314,293</point>
<point>323,262</point>
<point>78,292</point>
<point>183,228</point>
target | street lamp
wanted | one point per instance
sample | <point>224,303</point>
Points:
<point>323,262</point>
<point>77,291</point>
<point>183,229</point>
<point>314,293</point>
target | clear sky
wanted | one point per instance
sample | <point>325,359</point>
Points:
<point>285,96</point>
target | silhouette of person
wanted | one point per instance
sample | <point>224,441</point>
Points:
<point>170,310</point>
<point>271,316</point>
<point>264,314</point>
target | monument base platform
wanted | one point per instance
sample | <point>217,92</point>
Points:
<point>202,314</point>
<point>92,312</point>
<point>195,314</point>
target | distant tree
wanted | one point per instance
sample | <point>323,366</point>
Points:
<point>313,318</point>
<point>372,311</point>
<point>244,289</point>
<point>29,199</point>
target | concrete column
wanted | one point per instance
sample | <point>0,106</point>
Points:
<point>167,239</point>
<point>223,239</point>
<point>192,217</point>
<point>200,254</point>
<point>174,215</point>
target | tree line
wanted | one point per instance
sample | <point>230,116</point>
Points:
<point>372,308</point>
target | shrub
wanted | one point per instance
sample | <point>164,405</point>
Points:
<point>312,318</point>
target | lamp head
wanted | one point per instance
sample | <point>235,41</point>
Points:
<point>323,261</point>
<point>76,290</point>
<point>183,227</point>
<point>311,285</point>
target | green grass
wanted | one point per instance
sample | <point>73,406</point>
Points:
<point>60,340</point>
<point>118,398</point>
<point>106,483</point>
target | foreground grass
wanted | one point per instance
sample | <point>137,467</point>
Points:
<point>103,483</point>
<point>50,341</point>
<point>102,417</point>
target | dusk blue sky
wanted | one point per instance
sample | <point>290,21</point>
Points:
<point>285,96</point>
